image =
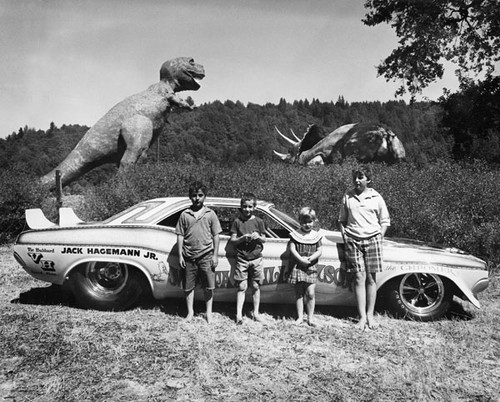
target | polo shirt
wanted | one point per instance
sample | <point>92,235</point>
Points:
<point>198,232</point>
<point>363,215</point>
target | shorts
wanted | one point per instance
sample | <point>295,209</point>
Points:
<point>254,268</point>
<point>199,268</point>
<point>364,255</point>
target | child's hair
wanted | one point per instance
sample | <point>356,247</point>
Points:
<point>249,197</point>
<point>306,214</point>
<point>363,170</point>
<point>197,185</point>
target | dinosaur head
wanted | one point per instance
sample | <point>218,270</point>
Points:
<point>296,147</point>
<point>181,73</point>
<point>396,148</point>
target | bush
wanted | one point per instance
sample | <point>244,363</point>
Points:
<point>19,192</point>
<point>446,203</point>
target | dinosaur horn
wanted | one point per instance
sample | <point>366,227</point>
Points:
<point>288,140</point>
<point>281,156</point>
<point>294,135</point>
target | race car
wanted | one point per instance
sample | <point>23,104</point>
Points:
<point>111,265</point>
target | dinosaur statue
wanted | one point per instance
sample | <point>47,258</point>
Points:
<point>366,141</point>
<point>125,133</point>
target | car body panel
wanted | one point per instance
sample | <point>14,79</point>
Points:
<point>144,236</point>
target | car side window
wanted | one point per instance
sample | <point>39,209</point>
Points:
<point>277,229</point>
<point>226,217</point>
<point>170,221</point>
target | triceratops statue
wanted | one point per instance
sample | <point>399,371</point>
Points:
<point>367,142</point>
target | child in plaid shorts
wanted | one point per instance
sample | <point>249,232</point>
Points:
<point>305,248</point>
<point>364,219</point>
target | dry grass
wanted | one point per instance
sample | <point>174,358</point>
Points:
<point>52,351</point>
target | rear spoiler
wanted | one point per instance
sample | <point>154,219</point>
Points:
<point>35,219</point>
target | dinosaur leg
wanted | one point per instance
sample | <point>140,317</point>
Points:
<point>137,132</point>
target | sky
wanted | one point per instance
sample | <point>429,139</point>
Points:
<point>70,61</point>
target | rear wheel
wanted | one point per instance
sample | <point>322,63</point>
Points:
<point>106,285</point>
<point>418,296</point>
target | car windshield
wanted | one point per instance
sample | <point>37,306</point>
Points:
<point>285,218</point>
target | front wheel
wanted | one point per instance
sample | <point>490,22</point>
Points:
<point>106,285</point>
<point>418,296</point>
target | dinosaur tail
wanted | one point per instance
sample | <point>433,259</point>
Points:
<point>84,157</point>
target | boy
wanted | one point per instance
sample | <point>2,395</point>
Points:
<point>197,232</point>
<point>248,235</point>
<point>364,219</point>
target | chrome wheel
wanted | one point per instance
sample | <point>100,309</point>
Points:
<point>107,285</point>
<point>418,296</point>
<point>421,293</point>
<point>106,277</point>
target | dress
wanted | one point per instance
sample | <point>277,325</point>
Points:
<point>306,243</point>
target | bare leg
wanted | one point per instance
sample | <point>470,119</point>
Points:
<point>256,301</point>
<point>209,299</point>
<point>310,303</point>
<point>371,296</point>
<point>360,293</point>
<point>189,304</point>
<point>240,301</point>
<point>299,302</point>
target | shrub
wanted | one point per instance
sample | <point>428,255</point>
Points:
<point>446,203</point>
<point>19,192</point>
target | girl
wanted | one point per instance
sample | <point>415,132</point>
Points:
<point>364,219</point>
<point>305,248</point>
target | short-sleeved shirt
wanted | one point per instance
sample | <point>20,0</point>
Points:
<point>198,232</point>
<point>363,215</point>
<point>252,249</point>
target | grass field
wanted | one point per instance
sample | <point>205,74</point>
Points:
<point>51,351</point>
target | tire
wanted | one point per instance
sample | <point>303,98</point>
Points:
<point>106,285</point>
<point>418,296</point>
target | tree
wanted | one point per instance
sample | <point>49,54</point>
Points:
<point>472,118</point>
<point>464,32</point>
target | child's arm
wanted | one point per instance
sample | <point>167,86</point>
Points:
<point>237,240</point>
<point>342,230</point>
<point>301,260</point>
<point>315,257</point>
<point>343,214</point>
<point>383,230</point>
<point>260,235</point>
<point>180,243</point>
<point>384,219</point>
<point>215,258</point>
<point>257,236</point>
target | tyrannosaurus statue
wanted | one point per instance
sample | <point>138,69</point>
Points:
<point>125,133</point>
<point>367,142</point>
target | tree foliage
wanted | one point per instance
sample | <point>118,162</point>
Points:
<point>229,132</point>
<point>464,32</point>
<point>472,118</point>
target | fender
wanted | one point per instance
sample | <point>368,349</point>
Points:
<point>127,261</point>
<point>457,281</point>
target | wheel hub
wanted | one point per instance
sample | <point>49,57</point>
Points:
<point>421,293</point>
<point>105,276</point>
<point>111,272</point>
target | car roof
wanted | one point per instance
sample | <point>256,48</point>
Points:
<point>153,210</point>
